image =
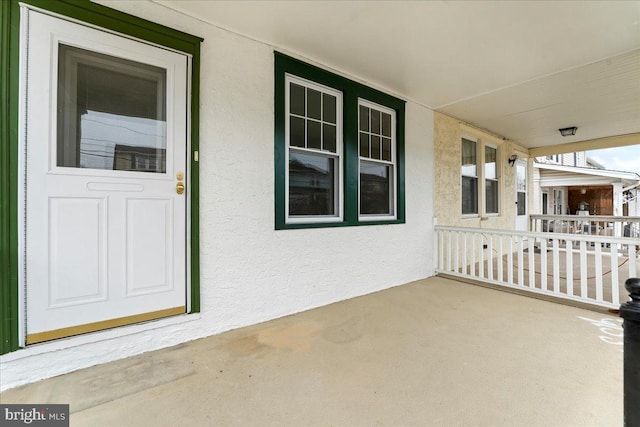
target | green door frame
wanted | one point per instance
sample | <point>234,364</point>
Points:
<point>101,16</point>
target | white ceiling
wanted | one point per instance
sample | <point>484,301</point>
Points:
<point>521,69</point>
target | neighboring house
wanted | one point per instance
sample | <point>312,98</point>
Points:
<point>159,187</point>
<point>568,189</point>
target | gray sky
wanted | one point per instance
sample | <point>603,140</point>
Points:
<point>620,158</point>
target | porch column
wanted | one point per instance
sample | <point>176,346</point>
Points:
<point>630,312</point>
<point>617,207</point>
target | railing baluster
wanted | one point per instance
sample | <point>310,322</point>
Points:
<point>520,260</point>
<point>543,264</point>
<point>449,250</point>
<point>456,253</point>
<point>598,263</point>
<point>556,266</point>
<point>632,260</point>
<point>583,269</point>
<point>510,262</point>
<point>481,253</point>
<point>490,257</point>
<point>473,254</point>
<point>532,266</point>
<point>569,266</point>
<point>499,259</point>
<point>464,253</point>
<point>615,286</point>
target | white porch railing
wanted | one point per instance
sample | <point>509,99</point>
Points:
<point>582,268</point>
<point>593,225</point>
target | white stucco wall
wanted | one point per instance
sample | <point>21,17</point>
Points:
<point>250,272</point>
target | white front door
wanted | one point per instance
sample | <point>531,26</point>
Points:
<point>106,144</point>
<point>521,196</point>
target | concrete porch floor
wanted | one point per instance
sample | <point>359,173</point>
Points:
<point>435,352</point>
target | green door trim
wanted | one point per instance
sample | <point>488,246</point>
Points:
<point>101,16</point>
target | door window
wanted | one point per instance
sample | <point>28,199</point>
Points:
<point>111,113</point>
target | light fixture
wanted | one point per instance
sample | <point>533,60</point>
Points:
<point>512,159</point>
<point>568,131</point>
<point>583,190</point>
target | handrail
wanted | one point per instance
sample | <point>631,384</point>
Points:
<point>602,218</point>
<point>561,236</point>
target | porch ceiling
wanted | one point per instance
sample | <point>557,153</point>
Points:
<point>519,69</point>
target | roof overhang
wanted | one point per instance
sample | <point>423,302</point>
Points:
<point>564,176</point>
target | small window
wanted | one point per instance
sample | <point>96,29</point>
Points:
<point>469,177</point>
<point>377,160</point>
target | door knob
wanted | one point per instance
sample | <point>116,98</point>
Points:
<point>179,187</point>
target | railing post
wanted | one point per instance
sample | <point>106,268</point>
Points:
<point>630,312</point>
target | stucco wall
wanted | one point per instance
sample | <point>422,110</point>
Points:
<point>448,133</point>
<point>249,271</point>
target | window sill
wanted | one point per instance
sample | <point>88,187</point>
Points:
<point>298,226</point>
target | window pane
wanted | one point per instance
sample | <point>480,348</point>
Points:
<point>364,145</point>
<point>375,147</point>
<point>111,113</point>
<point>314,100</point>
<point>386,149</point>
<point>469,161</point>
<point>311,184</point>
<point>328,108</point>
<point>375,189</point>
<point>375,121</point>
<point>469,195</point>
<point>296,99</point>
<point>329,138</point>
<point>490,166</point>
<point>386,124</point>
<point>296,132</point>
<point>314,139</point>
<point>491,190</point>
<point>522,203</point>
<point>364,118</point>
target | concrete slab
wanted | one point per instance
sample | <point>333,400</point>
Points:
<point>435,352</point>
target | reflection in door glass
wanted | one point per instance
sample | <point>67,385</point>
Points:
<point>111,113</point>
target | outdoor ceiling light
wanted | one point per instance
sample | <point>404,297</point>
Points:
<point>568,131</point>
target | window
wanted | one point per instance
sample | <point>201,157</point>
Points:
<point>480,178</point>
<point>339,150</point>
<point>491,179</point>
<point>469,177</point>
<point>377,167</point>
<point>314,145</point>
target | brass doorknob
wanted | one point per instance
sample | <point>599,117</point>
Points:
<point>179,187</point>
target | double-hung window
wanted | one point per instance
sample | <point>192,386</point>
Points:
<point>469,177</point>
<point>314,148</point>
<point>377,160</point>
<point>491,190</point>
<point>480,178</point>
<point>339,150</point>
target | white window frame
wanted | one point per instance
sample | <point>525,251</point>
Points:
<point>484,178</point>
<point>393,199</point>
<point>476,176</point>
<point>481,144</point>
<point>338,155</point>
